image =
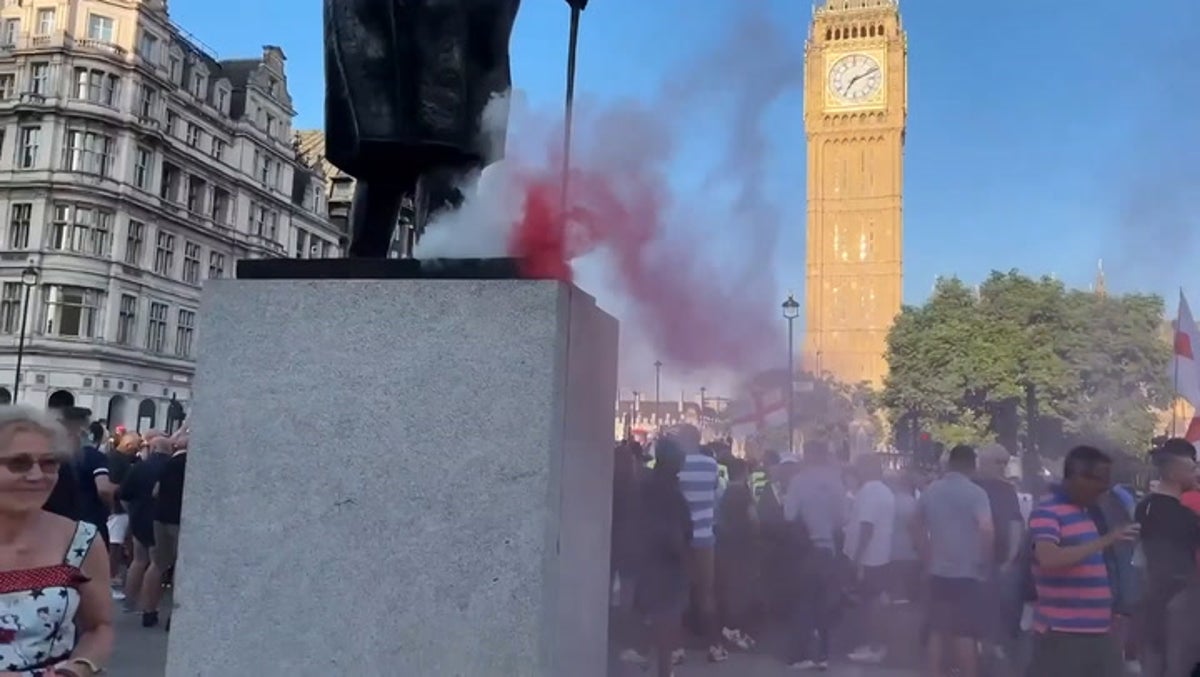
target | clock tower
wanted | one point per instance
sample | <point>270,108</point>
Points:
<point>855,109</point>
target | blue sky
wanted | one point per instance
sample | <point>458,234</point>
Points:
<point>1042,135</point>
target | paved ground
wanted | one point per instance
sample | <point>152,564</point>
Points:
<point>143,653</point>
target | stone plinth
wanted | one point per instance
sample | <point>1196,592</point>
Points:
<point>397,477</point>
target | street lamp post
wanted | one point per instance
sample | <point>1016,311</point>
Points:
<point>29,278</point>
<point>791,310</point>
<point>657,389</point>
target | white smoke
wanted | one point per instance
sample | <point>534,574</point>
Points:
<point>492,201</point>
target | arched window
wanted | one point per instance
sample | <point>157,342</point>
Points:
<point>60,399</point>
<point>147,414</point>
<point>116,411</point>
<point>5,396</point>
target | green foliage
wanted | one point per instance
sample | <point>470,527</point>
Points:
<point>963,362</point>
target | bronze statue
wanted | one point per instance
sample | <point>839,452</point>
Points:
<point>407,82</point>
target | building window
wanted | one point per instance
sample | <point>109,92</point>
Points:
<point>216,265</point>
<point>272,125</point>
<point>27,148</point>
<point>221,200</point>
<point>12,30</point>
<point>148,47</point>
<point>164,253</point>
<point>191,263</point>
<point>168,188</point>
<point>19,216</point>
<point>8,85</point>
<point>218,149</point>
<point>222,99</point>
<point>197,189</point>
<point>175,66</point>
<point>101,28</point>
<point>156,328</point>
<point>45,21</point>
<point>81,228</point>
<point>127,320</point>
<point>193,135</point>
<point>71,311</point>
<point>133,242</point>
<point>39,78</point>
<point>10,307</point>
<point>185,329</point>
<point>301,245</point>
<point>143,163</point>
<point>263,222</point>
<point>199,85</point>
<point>147,102</point>
<point>89,152</point>
<point>96,86</point>
<point>172,122</point>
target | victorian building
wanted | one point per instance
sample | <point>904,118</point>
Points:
<point>134,167</point>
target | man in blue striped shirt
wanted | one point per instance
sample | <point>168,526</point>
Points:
<point>699,479</point>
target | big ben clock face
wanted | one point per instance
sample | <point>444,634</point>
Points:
<point>855,79</point>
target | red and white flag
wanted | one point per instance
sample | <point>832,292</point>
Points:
<point>1185,367</point>
<point>764,407</point>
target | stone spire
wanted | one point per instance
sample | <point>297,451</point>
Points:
<point>1100,287</point>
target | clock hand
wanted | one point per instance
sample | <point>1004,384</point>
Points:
<point>860,76</point>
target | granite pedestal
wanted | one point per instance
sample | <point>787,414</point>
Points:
<point>397,478</point>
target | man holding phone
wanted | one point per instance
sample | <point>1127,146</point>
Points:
<point>1073,614</point>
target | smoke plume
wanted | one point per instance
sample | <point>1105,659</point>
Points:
<point>688,270</point>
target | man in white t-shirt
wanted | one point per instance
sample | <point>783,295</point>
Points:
<point>869,548</point>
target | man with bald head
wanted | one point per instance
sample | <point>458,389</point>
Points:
<point>138,492</point>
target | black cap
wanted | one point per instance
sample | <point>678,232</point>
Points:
<point>76,414</point>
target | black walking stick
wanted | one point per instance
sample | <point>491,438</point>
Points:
<point>577,7</point>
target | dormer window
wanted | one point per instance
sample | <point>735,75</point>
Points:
<point>175,67</point>
<point>199,84</point>
<point>221,99</point>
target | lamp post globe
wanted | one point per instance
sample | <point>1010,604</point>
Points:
<point>29,276</point>
<point>791,308</point>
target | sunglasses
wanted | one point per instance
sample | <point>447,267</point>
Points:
<point>23,463</point>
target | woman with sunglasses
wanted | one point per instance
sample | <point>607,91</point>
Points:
<point>55,606</point>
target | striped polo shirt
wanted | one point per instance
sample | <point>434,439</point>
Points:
<point>1077,599</point>
<point>698,479</point>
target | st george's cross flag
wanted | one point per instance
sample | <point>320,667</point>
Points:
<point>763,407</point>
<point>1185,367</point>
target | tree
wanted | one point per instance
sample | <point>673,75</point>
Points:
<point>966,362</point>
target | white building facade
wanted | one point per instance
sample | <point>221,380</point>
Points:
<point>134,166</point>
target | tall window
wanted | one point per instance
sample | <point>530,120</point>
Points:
<point>156,328</point>
<point>148,48</point>
<point>96,86</point>
<point>101,28</point>
<point>8,85</point>
<point>199,84</point>
<point>12,30</point>
<point>185,330</point>
<point>193,135</point>
<point>10,307</point>
<point>191,263</point>
<point>221,200</point>
<point>19,216</point>
<point>164,253</point>
<point>71,311</point>
<point>218,149</point>
<point>89,152</point>
<point>222,99</point>
<point>172,122</point>
<point>81,228</point>
<point>39,78</point>
<point>27,146</point>
<point>301,245</point>
<point>134,239</point>
<point>127,320</point>
<point>45,21</point>
<point>175,68</point>
<point>264,222</point>
<point>147,102</point>
<point>143,163</point>
<point>216,265</point>
<point>197,190</point>
<point>168,188</point>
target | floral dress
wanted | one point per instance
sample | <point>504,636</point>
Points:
<point>37,610</point>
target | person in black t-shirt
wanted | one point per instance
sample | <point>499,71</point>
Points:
<point>168,508</point>
<point>1169,539</point>
<point>137,491</point>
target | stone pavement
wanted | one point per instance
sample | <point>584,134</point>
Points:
<point>142,652</point>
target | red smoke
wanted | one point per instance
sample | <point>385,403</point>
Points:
<point>700,300</point>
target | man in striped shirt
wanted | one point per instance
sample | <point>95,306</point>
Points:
<point>699,479</point>
<point>1074,608</point>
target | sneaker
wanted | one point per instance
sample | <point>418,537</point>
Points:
<point>822,665</point>
<point>678,656</point>
<point>118,596</point>
<point>868,654</point>
<point>803,665</point>
<point>149,619</point>
<point>632,656</point>
<point>736,638</point>
<point>717,654</point>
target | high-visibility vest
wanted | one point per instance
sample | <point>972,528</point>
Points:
<point>759,482</point>
<point>722,480</point>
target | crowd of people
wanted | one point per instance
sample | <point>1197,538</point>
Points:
<point>1088,580</point>
<point>88,518</point>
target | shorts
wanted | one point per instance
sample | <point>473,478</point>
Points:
<point>875,583</point>
<point>955,606</point>
<point>118,529</point>
<point>166,545</point>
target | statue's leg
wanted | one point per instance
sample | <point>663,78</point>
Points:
<point>373,217</point>
<point>437,192</point>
